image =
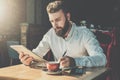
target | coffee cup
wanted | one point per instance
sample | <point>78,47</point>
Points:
<point>53,66</point>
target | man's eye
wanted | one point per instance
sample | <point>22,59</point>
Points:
<point>57,20</point>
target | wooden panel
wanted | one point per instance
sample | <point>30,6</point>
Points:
<point>35,33</point>
<point>22,72</point>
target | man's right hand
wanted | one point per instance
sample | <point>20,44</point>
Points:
<point>25,59</point>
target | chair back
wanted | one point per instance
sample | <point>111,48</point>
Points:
<point>12,53</point>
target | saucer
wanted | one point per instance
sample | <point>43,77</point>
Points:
<point>52,72</point>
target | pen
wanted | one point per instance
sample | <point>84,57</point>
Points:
<point>64,53</point>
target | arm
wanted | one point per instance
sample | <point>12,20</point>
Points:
<point>41,50</point>
<point>43,47</point>
<point>95,56</point>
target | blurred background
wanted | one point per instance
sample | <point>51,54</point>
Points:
<point>26,21</point>
<point>22,21</point>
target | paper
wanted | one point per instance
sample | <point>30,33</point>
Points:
<point>21,48</point>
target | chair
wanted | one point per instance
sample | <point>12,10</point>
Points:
<point>112,51</point>
<point>13,55</point>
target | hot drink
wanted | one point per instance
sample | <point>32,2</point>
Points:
<point>53,66</point>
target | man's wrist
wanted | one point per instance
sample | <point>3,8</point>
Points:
<point>72,64</point>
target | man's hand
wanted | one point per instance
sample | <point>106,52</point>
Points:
<point>67,61</point>
<point>25,59</point>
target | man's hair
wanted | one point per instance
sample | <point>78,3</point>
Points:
<point>55,6</point>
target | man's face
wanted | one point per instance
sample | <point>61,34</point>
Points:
<point>59,22</point>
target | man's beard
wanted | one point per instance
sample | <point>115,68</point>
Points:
<point>62,31</point>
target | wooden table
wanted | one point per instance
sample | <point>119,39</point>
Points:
<point>22,72</point>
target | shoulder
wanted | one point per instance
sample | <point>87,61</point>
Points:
<point>83,30</point>
<point>50,33</point>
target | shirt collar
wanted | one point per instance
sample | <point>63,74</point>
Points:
<point>71,31</point>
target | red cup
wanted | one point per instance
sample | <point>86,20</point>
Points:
<point>53,66</point>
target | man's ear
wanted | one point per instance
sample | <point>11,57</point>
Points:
<point>68,16</point>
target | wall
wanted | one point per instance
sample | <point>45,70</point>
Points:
<point>30,11</point>
<point>12,13</point>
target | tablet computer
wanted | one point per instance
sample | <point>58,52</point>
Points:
<point>21,48</point>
